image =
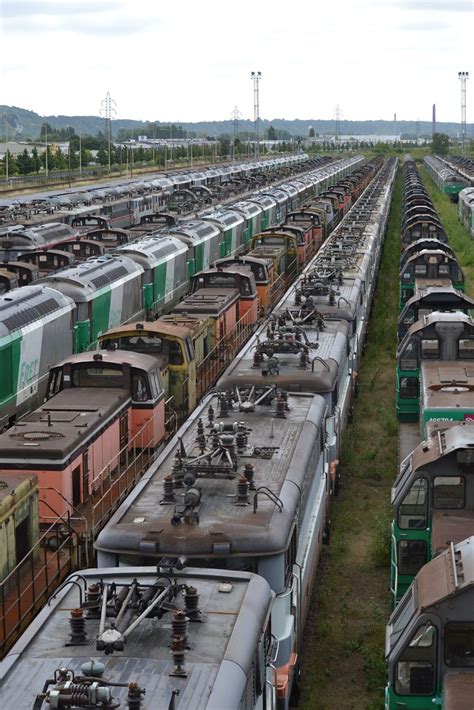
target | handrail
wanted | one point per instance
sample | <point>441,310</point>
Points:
<point>270,495</point>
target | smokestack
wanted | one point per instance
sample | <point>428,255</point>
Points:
<point>433,127</point>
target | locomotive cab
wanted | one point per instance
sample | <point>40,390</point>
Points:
<point>139,375</point>
<point>429,641</point>
<point>175,346</point>
<point>235,277</point>
<point>432,501</point>
<point>432,298</point>
<point>443,345</point>
<point>429,267</point>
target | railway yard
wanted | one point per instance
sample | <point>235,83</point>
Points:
<point>236,444</point>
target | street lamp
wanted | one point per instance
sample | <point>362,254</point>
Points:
<point>463,76</point>
<point>256,76</point>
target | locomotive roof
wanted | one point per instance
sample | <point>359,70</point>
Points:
<point>425,255</point>
<point>116,357</point>
<point>150,250</point>
<point>443,443</point>
<point>445,576</point>
<point>29,304</point>
<point>326,350</point>
<point>208,301</point>
<point>440,317</point>
<point>346,296</point>
<point>50,435</point>
<point>233,606</point>
<point>440,293</point>
<point>81,282</point>
<point>159,327</point>
<point>280,450</point>
<point>448,384</point>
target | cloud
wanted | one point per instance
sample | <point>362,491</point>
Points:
<point>434,5</point>
<point>423,26</point>
<point>27,8</point>
<point>107,18</point>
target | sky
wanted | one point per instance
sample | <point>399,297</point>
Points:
<point>180,60</point>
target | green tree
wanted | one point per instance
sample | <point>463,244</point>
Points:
<point>311,133</point>
<point>25,163</point>
<point>102,157</point>
<point>36,160</point>
<point>271,134</point>
<point>60,160</point>
<point>73,159</point>
<point>440,143</point>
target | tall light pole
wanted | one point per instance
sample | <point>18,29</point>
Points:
<point>256,76</point>
<point>108,111</point>
<point>463,76</point>
<point>80,152</point>
<point>6,146</point>
<point>236,115</point>
<point>46,154</point>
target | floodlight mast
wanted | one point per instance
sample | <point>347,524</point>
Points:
<point>463,77</point>
<point>256,76</point>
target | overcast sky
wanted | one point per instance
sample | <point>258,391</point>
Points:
<point>183,60</point>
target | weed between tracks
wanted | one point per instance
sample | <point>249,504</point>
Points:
<point>458,236</point>
<point>343,659</point>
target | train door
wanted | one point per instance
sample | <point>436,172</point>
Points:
<point>123,433</point>
<point>76,486</point>
<point>22,539</point>
<point>85,475</point>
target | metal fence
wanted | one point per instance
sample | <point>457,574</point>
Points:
<point>27,587</point>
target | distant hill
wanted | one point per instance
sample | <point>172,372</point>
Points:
<point>23,123</point>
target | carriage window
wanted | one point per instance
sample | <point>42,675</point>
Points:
<point>459,644</point>
<point>409,358</point>
<point>420,269</point>
<point>415,671</point>
<point>413,511</point>
<point>448,492</point>
<point>430,349</point>
<point>466,348</point>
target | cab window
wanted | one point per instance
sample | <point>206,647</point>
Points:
<point>176,355</point>
<point>90,376</point>
<point>413,511</point>
<point>409,358</point>
<point>420,270</point>
<point>430,349</point>
<point>409,318</point>
<point>466,348</point>
<point>415,670</point>
<point>449,492</point>
<point>55,382</point>
<point>459,644</point>
<point>140,387</point>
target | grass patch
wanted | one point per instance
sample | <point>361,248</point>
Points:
<point>459,238</point>
<point>343,665</point>
<point>343,661</point>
